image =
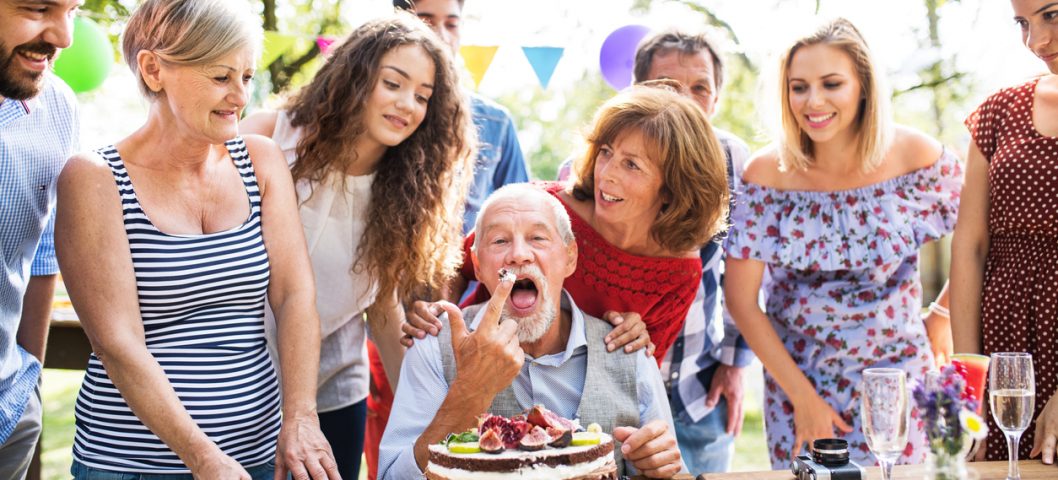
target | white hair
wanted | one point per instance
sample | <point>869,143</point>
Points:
<point>525,192</point>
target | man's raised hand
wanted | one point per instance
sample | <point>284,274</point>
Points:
<point>489,358</point>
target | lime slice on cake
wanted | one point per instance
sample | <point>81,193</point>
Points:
<point>585,438</point>
<point>464,447</point>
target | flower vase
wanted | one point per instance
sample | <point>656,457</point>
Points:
<point>947,466</point>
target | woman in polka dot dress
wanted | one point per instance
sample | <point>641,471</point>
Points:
<point>1004,268</point>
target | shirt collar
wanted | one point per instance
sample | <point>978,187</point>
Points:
<point>12,110</point>
<point>577,337</point>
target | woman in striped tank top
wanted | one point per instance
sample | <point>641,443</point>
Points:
<point>171,240</point>
<point>376,143</point>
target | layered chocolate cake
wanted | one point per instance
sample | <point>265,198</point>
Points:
<point>539,445</point>
<point>588,462</point>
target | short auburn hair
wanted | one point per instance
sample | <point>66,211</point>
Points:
<point>874,129</point>
<point>681,142</point>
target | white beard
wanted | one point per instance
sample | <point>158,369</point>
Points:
<point>534,326</point>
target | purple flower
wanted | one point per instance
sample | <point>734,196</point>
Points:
<point>939,403</point>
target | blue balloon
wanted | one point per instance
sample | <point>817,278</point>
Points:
<point>618,54</point>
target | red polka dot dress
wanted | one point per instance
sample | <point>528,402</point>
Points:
<point>1019,304</point>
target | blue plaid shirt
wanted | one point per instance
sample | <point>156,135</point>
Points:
<point>709,334</point>
<point>36,138</point>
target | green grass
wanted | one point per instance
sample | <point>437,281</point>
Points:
<point>751,451</point>
<point>59,392</point>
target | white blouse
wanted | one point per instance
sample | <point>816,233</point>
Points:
<point>333,221</point>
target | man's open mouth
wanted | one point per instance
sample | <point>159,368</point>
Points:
<point>524,294</point>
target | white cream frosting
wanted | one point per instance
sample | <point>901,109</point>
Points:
<point>535,472</point>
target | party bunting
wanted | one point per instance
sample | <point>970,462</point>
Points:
<point>325,44</point>
<point>477,59</point>
<point>543,60</point>
<point>275,44</point>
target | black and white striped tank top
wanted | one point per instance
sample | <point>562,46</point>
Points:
<point>202,300</point>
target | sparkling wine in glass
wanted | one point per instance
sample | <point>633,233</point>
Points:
<point>885,414</point>
<point>1012,392</point>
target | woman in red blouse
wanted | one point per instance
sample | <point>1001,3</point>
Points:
<point>649,192</point>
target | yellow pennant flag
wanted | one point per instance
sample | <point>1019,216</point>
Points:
<point>477,59</point>
<point>275,44</point>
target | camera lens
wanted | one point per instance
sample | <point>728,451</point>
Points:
<point>830,451</point>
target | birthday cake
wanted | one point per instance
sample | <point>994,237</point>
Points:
<point>537,445</point>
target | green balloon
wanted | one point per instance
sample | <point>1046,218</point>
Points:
<point>86,63</point>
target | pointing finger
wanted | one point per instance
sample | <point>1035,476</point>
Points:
<point>495,306</point>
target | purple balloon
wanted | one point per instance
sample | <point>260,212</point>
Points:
<point>618,54</point>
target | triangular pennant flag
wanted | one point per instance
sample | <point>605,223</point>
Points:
<point>543,60</point>
<point>477,59</point>
<point>325,44</point>
<point>275,44</point>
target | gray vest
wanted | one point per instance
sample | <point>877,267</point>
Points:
<point>610,396</point>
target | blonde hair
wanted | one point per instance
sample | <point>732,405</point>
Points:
<point>681,141</point>
<point>188,32</point>
<point>873,122</point>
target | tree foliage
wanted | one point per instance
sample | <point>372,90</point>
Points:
<point>305,19</point>
<point>551,124</point>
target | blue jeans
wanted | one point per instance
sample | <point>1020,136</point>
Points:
<point>81,471</point>
<point>705,445</point>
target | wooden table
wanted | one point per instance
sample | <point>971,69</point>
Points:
<point>1030,470</point>
<point>68,346</point>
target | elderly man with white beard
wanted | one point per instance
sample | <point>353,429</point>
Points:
<point>529,344</point>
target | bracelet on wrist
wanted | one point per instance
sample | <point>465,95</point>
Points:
<point>939,310</point>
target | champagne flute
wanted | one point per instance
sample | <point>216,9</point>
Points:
<point>1012,391</point>
<point>884,413</point>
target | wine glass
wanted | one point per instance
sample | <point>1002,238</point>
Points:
<point>885,414</point>
<point>1012,391</point>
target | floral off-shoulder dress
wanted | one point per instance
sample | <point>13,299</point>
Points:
<point>842,287</point>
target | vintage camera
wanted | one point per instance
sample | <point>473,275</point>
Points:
<point>829,461</point>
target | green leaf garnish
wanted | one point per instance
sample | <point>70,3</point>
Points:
<point>465,437</point>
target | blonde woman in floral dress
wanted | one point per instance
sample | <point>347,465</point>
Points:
<point>835,214</point>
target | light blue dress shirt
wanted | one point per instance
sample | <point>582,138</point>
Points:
<point>555,380</point>
<point>36,138</point>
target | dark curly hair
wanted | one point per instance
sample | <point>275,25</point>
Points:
<point>412,243</point>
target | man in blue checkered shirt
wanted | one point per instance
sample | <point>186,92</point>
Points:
<point>703,369</point>
<point>38,131</point>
